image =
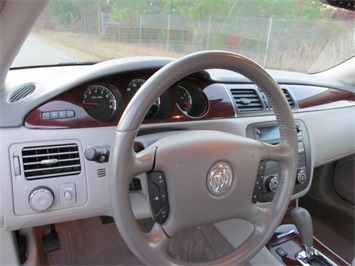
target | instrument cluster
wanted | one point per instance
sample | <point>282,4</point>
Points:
<point>105,102</point>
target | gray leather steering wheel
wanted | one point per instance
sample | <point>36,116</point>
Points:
<point>186,160</point>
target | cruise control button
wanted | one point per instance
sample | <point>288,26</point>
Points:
<point>163,196</point>
<point>158,179</point>
<point>163,214</point>
<point>155,198</point>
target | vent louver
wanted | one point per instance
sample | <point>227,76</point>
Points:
<point>22,92</point>
<point>101,172</point>
<point>289,98</point>
<point>247,100</point>
<point>51,161</point>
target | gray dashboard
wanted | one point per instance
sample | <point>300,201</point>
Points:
<point>325,109</point>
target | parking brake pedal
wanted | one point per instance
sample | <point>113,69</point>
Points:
<point>51,241</point>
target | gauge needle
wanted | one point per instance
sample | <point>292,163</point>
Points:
<point>91,103</point>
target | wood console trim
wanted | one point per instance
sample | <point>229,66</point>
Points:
<point>292,244</point>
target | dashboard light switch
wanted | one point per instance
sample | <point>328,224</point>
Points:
<point>67,193</point>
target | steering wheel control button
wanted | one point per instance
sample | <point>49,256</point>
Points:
<point>301,176</point>
<point>155,198</point>
<point>158,196</point>
<point>163,214</point>
<point>158,179</point>
<point>67,193</point>
<point>272,183</point>
<point>41,198</point>
<point>220,178</point>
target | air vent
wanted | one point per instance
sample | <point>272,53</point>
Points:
<point>247,100</point>
<point>289,98</point>
<point>101,172</point>
<point>51,161</point>
<point>22,92</point>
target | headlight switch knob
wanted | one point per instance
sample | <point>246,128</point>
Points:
<point>41,198</point>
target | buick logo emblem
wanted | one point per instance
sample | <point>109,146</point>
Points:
<point>220,178</point>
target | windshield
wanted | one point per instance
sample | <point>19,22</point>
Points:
<point>299,35</point>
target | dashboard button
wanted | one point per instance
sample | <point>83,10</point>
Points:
<point>46,116</point>
<point>62,114</point>
<point>70,114</point>
<point>54,115</point>
<point>67,193</point>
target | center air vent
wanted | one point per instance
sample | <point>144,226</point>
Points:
<point>51,161</point>
<point>247,100</point>
<point>22,91</point>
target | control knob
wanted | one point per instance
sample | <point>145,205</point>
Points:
<point>41,198</point>
<point>272,183</point>
<point>301,176</point>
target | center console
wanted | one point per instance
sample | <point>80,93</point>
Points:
<point>295,245</point>
<point>269,171</point>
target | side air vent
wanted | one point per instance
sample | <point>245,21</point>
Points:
<point>247,100</point>
<point>289,98</point>
<point>51,161</point>
<point>22,92</point>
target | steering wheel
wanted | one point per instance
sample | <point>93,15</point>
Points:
<point>210,175</point>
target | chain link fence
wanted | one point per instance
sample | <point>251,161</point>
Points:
<point>304,45</point>
<point>273,43</point>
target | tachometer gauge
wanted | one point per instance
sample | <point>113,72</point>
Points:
<point>183,99</point>
<point>99,102</point>
<point>133,87</point>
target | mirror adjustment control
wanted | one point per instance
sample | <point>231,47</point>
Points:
<point>98,154</point>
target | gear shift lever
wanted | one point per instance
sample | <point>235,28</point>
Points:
<point>303,222</point>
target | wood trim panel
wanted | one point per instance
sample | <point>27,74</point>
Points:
<point>218,104</point>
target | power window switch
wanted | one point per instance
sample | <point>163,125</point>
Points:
<point>67,193</point>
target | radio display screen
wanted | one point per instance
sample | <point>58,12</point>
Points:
<point>270,134</point>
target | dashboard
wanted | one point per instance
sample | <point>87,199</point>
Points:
<point>101,103</point>
<point>57,125</point>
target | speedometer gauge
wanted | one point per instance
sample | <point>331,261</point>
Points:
<point>133,87</point>
<point>99,102</point>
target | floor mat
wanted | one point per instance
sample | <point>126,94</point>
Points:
<point>89,242</point>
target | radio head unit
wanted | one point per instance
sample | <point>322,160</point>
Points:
<point>269,171</point>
